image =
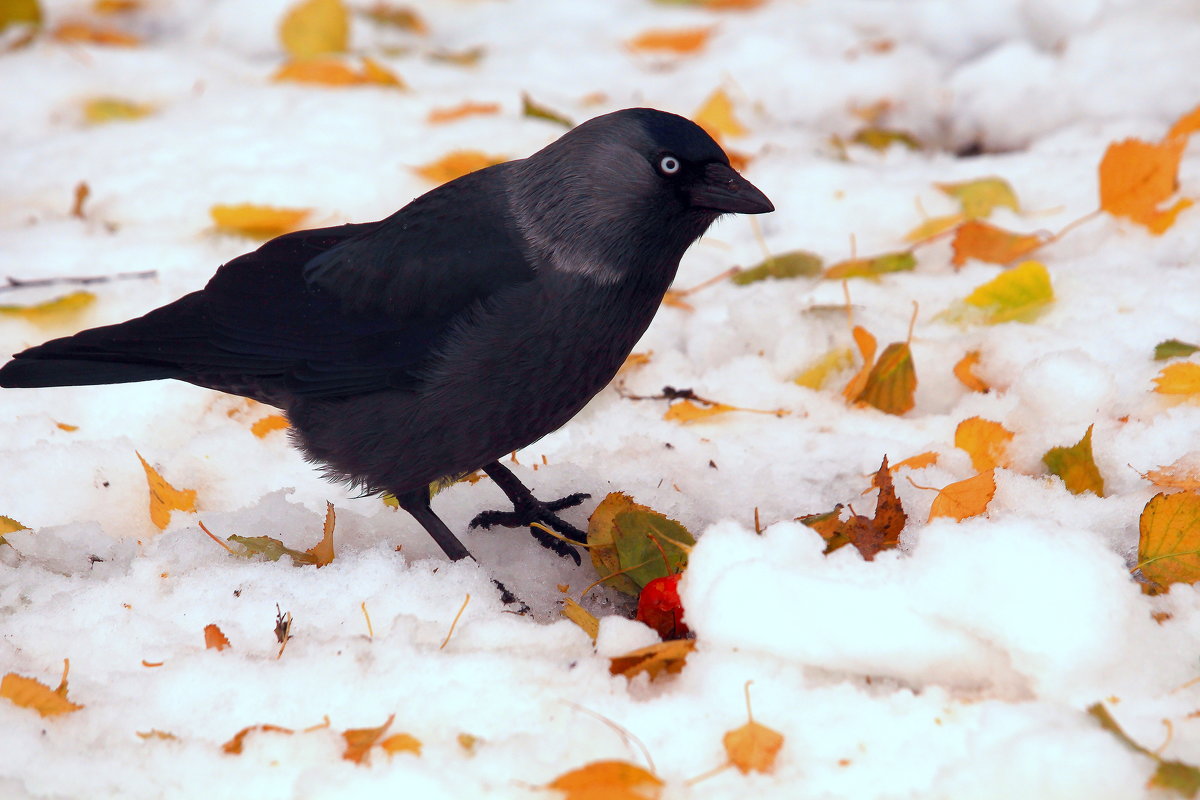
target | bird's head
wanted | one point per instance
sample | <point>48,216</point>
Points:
<point>629,190</point>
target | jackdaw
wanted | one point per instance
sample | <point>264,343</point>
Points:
<point>469,324</point>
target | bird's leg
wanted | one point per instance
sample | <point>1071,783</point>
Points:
<point>416,502</point>
<point>528,509</point>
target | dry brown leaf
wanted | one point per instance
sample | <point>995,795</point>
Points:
<point>655,660</point>
<point>165,498</point>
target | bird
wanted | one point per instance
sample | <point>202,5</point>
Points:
<point>472,322</point>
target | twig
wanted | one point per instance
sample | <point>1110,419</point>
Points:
<point>12,283</point>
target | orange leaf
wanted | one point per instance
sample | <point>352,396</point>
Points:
<point>687,411</point>
<point>165,498</point>
<point>214,639</point>
<point>1186,125</point>
<point>967,498</point>
<point>680,40</point>
<point>78,32</point>
<point>919,461</point>
<point>665,657</point>
<point>608,780</point>
<point>456,164</point>
<point>716,117</point>
<point>987,243</point>
<point>359,741</point>
<point>753,747</point>
<point>985,441</point>
<point>1180,378</point>
<point>335,72</point>
<point>322,551</point>
<point>259,222</point>
<point>1076,466</point>
<point>1183,474</point>
<point>442,115</point>
<point>234,745</point>
<point>964,370</point>
<point>30,693</point>
<point>1136,176</point>
<point>401,743</point>
<point>1169,541</point>
<point>273,422</point>
<point>866,346</point>
<point>892,382</point>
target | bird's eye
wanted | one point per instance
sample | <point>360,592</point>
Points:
<point>668,164</point>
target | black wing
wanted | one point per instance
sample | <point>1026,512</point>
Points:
<point>320,313</point>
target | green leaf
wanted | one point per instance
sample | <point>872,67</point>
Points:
<point>892,382</point>
<point>631,539</point>
<point>978,198</point>
<point>1019,294</point>
<point>1076,466</point>
<point>531,108</point>
<point>1173,348</point>
<point>1181,778</point>
<point>270,549</point>
<point>794,264</point>
<point>883,138</point>
<point>903,261</point>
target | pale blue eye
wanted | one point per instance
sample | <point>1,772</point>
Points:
<point>669,165</point>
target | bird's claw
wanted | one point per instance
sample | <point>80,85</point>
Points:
<point>527,513</point>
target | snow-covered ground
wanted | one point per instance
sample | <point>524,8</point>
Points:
<point>960,665</point>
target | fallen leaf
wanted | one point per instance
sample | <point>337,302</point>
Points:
<point>794,264</point>
<point>83,32</point>
<point>964,370</point>
<point>716,117</point>
<point>1181,778</point>
<point>934,226</point>
<point>608,780</point>
<point>30,693</point>
<point>1186,125</point>
<point>456,164</point>
<point>270,549</point>
<point>155,733</point>
<point>1180,378</point>
<point>469,57</point>
<point>902,261</point>
<point>404,18</point>
<point>753,747</point>
<point>82,191</point>
<point>919,461</point>
<point>581,617</point>
<point>99,110</point>
<point>985,441</point>
<point>254,221</point>
<point>980,197</point>
<point>992,245</point>
<point>1173,348</point>
<point>892,381</point>
<point>1076,466</point>
<point>272,422</point>
<point>687,411</point>
<point>660,608</point>
<point>234,746</point>
<point>10,525</point>
<point>165,498</point>
<point>1019,294</point>
<point>816,374</point>
<point>681,41</point>
<point>20,12</point>
<point>214,638</point>
<point>336,72</point>
<point>1169,541</point>
<point>1136,177</point>
<point>535,110</point>
<point>635,360</point>
<point>315,28</point>
<point>466,109</point>
<point>883,138</point>
<point>54,312</point>
<point>359,741</point>
<point>116,6</point>
<point>322,551</point>
<point>665,657</point>
<point>634,544</point>
<point>1183,474</point>
<point>869,535</point>
<point>63,426</point>
<point>866,347</point>
<point>401,743</point>
<point>965,498</point>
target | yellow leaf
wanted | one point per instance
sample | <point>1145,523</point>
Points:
<point>1169,540</point>
<point>29,693</point>
<point>793,264</point>
<point>681,40</point>
<point>359,741</point>
<point>1018,294</point>
<point>112,109</point>
<point>686,411</point>
<point>892,382</point>
<point>20,12</point>
<point>272,422</point>
<point>985,441</point>
<point>52,312</point>
<point>980,197</point>
<point>439,116</point>
<point>966,498</point>
<point>315,28</point>
<point>903,261</point>
<point>214,638</point>
<point>401,743</point>
<point>665,657</point>
<point>259,222</point>
<point>1180,378</point>
<point>322,551</point>
<point>10,525</point>
<point>753,747</point>
<point>964,370</point>
<point>581,617</point>
<point>165,498</point>
<point>1076,466</point>
<point>815,374</point>
<point>883,138</point>
<point>934,226</point>
<point>608,780</point>
<point>716,116</point>
<point>456,164</point>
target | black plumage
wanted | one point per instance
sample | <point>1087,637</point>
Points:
<point>472,322</point>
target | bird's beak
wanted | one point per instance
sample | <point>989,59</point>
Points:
<point>722,189</point>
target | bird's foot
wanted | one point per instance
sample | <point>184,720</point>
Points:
<point>528,510</point>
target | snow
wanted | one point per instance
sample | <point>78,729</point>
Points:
<point>958,666</point>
